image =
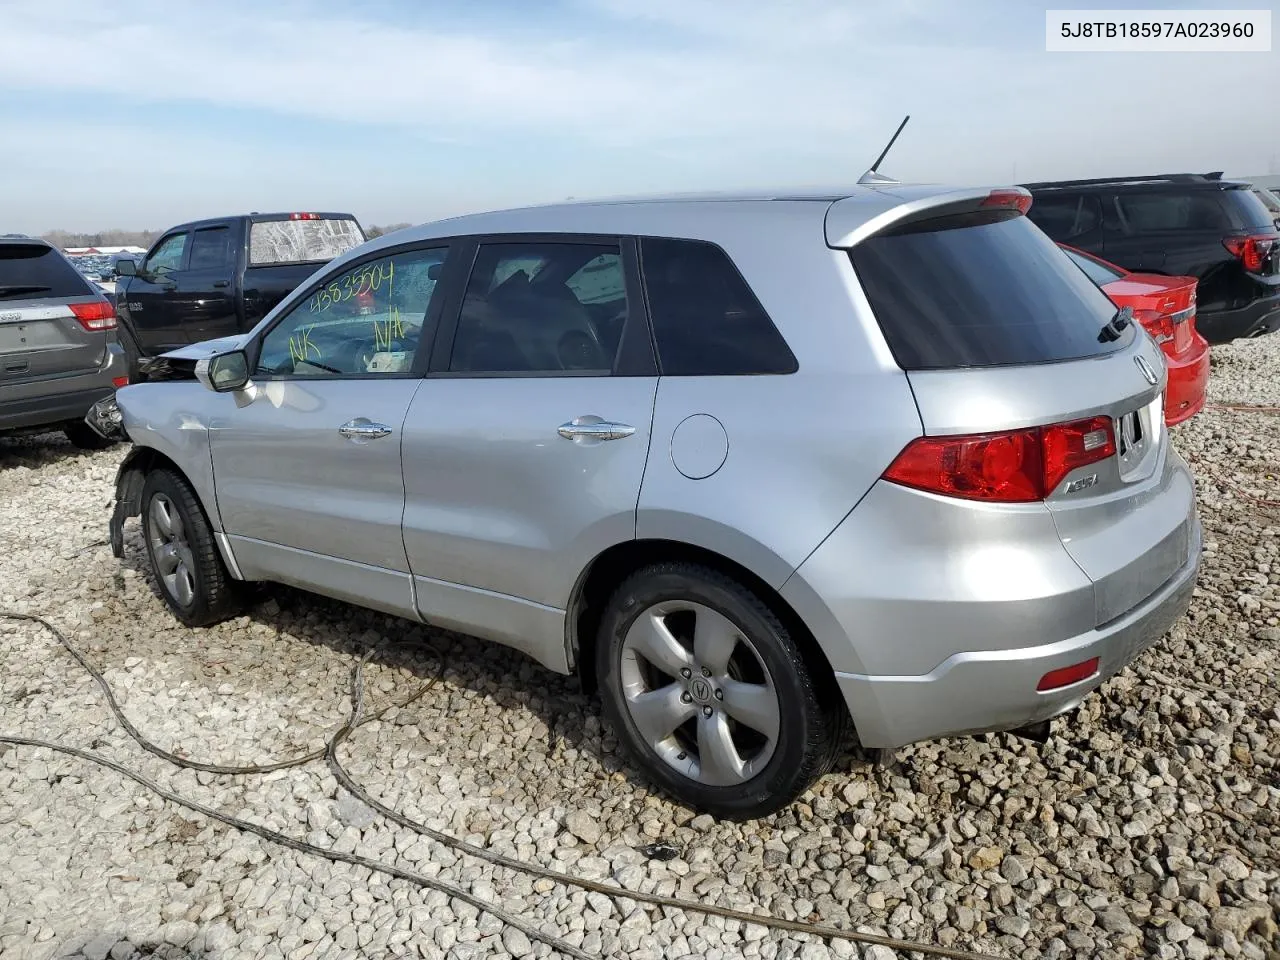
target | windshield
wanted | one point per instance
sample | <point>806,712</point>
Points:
<point>969,291</point>
<point>302,241</point>
<point>37,270</point>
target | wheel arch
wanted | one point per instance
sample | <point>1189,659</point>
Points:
<point>609,568</point>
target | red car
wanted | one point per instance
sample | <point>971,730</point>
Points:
<point>1166,307</point>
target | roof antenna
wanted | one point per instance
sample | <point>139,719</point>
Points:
<point>872,176</point>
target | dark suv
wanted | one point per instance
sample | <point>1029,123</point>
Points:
<point>1198,225</point>
<point>58,349</point>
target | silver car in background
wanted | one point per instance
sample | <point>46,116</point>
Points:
<point>758,468</point>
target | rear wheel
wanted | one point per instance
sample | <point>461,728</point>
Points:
<point>708,692</point>
<point>84,437</point>
<point>188,569</point>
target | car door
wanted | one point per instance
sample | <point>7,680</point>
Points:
<point>525,447</point>
<point>149,305</point>
<point>306,461</point>
<point>1073,219</point>
<point>206,295</point>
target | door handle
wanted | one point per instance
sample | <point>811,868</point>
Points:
<point>591,429</point>
<point>362,430</point>
<point>222,283</point>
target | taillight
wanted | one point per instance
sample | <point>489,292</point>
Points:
<point>1159,325</point>
<point>304,216</point>
<point>119,382</point>
<point>1251,250</point>
<point>1016,198</point>
<point>95,316</point>
<point>1015,466</point>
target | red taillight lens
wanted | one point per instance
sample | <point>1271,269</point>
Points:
<point>119,382</point>
<point>95,316</point>
<point>1017,199</point>
<point>1251,250</point>
<point>304,216</point>
<point>1159,325</point>
<point>1065,676</point>
<point>1017,466</point>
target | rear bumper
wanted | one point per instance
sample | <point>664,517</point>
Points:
<point>996,689</point>
<point>49,402</point>
<point>1260,316</point>
<point>1188,381</point>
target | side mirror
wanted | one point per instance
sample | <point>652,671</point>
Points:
<point>126,268</point>
<point>224,372</point>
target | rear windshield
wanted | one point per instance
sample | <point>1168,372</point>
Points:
<point>1252,210</point>
<point>301,241</point>
<point>37,270</point>
<point>980,290</point>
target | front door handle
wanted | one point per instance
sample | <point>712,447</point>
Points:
<point>362,430</point>
<point>222,283</point>
<point>593,429</point>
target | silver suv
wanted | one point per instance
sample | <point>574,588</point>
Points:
<point>758,468</point>
<point>58,349</point>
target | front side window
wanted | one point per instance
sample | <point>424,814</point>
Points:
<point>369,319</point>
<point>168,256</point>
<point>706,320</point>
<point>542,308</point>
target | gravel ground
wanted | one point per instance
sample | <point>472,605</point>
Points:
<point>1146,826</point>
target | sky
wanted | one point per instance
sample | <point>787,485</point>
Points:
<point>146,113</point>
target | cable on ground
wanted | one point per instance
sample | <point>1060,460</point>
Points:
<point>356,719</point>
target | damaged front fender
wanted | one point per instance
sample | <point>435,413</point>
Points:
<point>129,480</point>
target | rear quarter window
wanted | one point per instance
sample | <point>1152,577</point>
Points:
<point>980,290</point>
<point>301,241</point>
<point>37,270</point>
<point>1159,212</point>
<point>706,321</point>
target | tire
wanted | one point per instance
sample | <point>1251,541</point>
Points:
<point>188,569</point>
<point>756,770</point>
<point>132,353</point>
<point>84,437</point>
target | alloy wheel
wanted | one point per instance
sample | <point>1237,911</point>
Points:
<point>170,550</point>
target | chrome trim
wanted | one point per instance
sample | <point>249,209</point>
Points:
<point>592,428</point>
<point>228,555</point>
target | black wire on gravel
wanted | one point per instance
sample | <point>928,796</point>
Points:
<point>356,719</point>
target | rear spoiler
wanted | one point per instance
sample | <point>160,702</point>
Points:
<point>854,219</point>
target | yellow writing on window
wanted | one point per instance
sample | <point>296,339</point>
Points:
<point>301,347</point>
<point>359,283</point>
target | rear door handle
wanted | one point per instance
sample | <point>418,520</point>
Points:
<point>362,430</point>
<point>593,429</point>
<point>222,283</point>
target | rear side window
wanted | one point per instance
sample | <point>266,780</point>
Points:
<point>1065,218</point>
<point>301,241</point>
<point>972,291</point>
<point>1154,212</point>
<point>37,270</point>
<point>706,320</point>
<point>211,249</point>
<point>1253,213</point>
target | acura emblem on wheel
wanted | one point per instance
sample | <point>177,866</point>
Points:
<point>1146,368</point>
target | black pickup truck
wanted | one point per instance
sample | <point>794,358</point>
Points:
<point>215,278</point>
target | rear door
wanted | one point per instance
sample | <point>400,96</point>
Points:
<point>525,447</point>
<point>206,293</point>
<point>998,330</point>
<point>40,336</point>
<point>150,305</point>
<point>1074,219</point>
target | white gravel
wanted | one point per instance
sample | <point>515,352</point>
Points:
<point>1149,825</point>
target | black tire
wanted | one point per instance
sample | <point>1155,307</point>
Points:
<point>810,725</point>
<point>84,437</point>
<point>215,595</point>
<point>132,353</point>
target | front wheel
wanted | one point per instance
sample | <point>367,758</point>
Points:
<point>185,561</point>
<point>708,692</point>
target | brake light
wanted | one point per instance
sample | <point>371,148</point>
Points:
<point>1017,199</point>
<point>304,216</point>
<point>1251,250</point>
<point>119,382</point>
<point>1015,466</point>
<point>1066,676</point>
<point>95,316</point>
